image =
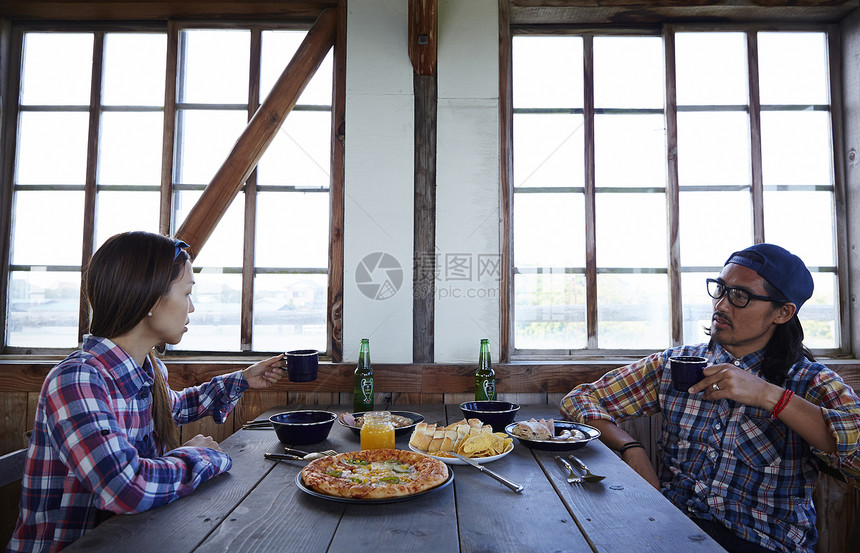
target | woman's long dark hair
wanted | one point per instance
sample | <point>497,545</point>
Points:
<point>785,347</point>
<point>128,274</point>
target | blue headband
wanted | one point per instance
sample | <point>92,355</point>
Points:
<point>178,245</point>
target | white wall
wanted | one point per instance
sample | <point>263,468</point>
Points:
<point>379,183</point>
<point>467,176</point>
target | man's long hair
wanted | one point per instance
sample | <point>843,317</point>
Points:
<point>785,347</point>
<point>126,277</point>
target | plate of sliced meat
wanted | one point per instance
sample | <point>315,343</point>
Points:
<point>552,435</point>
<point>404,421</point>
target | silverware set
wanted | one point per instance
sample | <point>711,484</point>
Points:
<point>298,455</point>
<point>575,477</point>
<point>257,425</point>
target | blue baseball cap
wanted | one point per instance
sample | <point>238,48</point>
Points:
<point>781,268</point>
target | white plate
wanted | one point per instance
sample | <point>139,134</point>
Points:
<point>455,461</point>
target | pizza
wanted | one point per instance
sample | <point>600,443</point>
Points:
<point>374,474</point>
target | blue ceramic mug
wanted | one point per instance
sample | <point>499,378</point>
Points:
<point>302,365</point>
<point>686,371</point>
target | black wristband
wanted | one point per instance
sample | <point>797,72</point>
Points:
<point>630,445</point>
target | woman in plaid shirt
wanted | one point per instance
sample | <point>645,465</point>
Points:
<point>105,438</point>
<point>741,449</point>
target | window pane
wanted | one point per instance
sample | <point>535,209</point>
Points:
<point>134,69</point>
<point>630,150</point>
<point>820,314</point>
<point>549,230</point>
<point>224,247</point>
<point>52,148</point>
<point>796,148</point>
<point>697,304</point>
<point>290,312</point>
<point>279,47</point>
<point>125,211</point>
<point>130,148</point>
<point>813,239</point>
<point>714,149</point>
<point>547,72</point>
<point>550,311</point>
<point>206,138</point>
<point>48,228</point>
<point>711,69</point>
<point>628,72</point>
<point>633,311</point>
<point>300,154</point>
<point>216,66</point>
<point>549,150</point>
<point>214,323</point>
<point>51,58</point>
<point>292,229</point>
<point>793,68</point>
<point>631,230</point>
<point>701,245</point>
<point>43,309</point>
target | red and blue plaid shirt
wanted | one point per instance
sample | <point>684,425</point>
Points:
<point>729,462</point>
<point>93,448</point>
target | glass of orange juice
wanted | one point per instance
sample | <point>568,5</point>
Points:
<point>377,432</point>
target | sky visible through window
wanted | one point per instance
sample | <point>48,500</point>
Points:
<point>714,175</point>
<point>50,174</point>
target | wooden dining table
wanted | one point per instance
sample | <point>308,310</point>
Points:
<point>259,506</point>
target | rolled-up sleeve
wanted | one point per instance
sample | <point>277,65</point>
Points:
<point>841,410</point>
<point>217,398</point>
<point>619,395</point>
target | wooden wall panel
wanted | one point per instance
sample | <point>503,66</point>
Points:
<point>836,507</point>
<point>15,423</point>
<point>10,497</point>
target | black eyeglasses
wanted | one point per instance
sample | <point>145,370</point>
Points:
<point>737,296</point>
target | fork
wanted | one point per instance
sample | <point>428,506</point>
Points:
<point>573,478</point>
<point>588,476</point>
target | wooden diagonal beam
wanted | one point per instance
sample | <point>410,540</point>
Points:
<point>259,133</point>
<point>422,36</point>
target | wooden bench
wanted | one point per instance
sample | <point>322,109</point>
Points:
<point>11,472</point>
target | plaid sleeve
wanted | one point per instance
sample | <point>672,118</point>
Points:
<point>618,395</point>
<point>841,409</point>
<point>84,432</point>
<point>217,398</point>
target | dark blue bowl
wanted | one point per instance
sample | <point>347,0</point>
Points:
<point>302,427</point>
<point>497,414</point>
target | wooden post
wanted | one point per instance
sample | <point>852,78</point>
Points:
<point>259,133</point>
<point>422,53</point>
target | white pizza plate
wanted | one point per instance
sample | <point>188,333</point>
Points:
<point>455,461</point>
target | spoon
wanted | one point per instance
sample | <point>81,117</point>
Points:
<point>588,476</point>
<point>305,457</point>
<point>311,456</point>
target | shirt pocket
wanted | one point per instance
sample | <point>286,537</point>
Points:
<point>760,442</point>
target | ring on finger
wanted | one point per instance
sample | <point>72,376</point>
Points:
<point>715,387</point>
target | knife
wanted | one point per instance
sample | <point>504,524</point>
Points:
<point>513,486</point>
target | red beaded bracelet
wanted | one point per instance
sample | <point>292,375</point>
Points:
<point>786,396</point>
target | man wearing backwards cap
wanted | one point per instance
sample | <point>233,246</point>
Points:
<point>742,448</point>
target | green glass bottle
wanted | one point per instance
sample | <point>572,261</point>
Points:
<point>362,389</point>
<point>485,376</point>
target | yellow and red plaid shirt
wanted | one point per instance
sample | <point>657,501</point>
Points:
<point>730,462</point>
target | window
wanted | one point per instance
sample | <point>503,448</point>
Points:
<point>595,200</point>
<point>89,163</point>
